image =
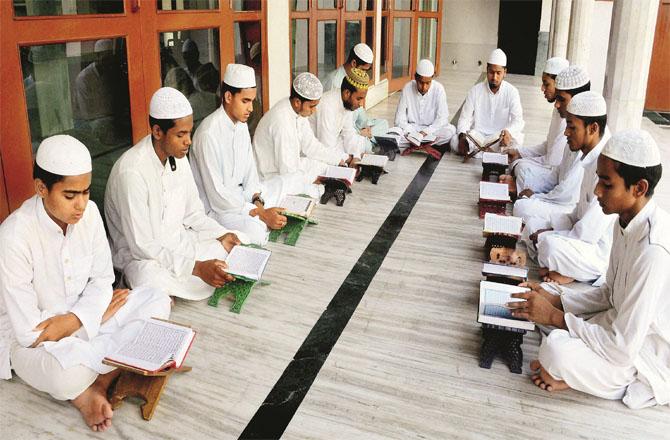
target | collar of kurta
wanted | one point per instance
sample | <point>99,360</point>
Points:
<point>289,109</point>
<point>592,155</point>
<point>155,160</point>
<point>638,228</point>
<point>46,221</point>
<point>502,84</point>
<point>225,119</point>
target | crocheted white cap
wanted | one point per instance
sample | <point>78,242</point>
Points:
<point>425,68</point>
<point>498,58</point>
<point>633,147</point>
<point>364,52</point>
<point>587,104</point>
<point>240,76</point>
<point>308,86</point>
<point>169,103</point>
<point>572,78</point>
<point>63,155</point>
<point>556,65</point>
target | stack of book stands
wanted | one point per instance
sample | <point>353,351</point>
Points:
<point>372,166</point>
<point>298,211</point>
<point>389,143</point>
<point>481,143</point>
<point>494,165</point>
<point>337,182</point>
<point>493,198</point>
<point>147,362</point>
<point>247,264</point>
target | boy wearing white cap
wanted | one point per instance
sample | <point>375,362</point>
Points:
<point>223,163</point>
<point>614,341</point>
<point>284,143</point>
<point>160,233</point>
<point>492,107</point>
<point>531,166</point>
<point>576,245</point>
<point>423,106</point>
<point>56,293</point>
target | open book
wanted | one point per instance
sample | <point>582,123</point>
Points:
<point>494,191</point>
<point>394,136</point>
<point>374,160</point>
<point>340,173</point>
<point>492,308</point>
<point>417,139</point>
<point>298,205</point>
<point>495,158</point>
<point>502,224</point>
<point>159,345</point>
<point>502,270</point>
<point>482,142</point>
<point>247,262</point>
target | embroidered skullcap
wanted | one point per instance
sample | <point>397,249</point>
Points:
<point>169,103</point>
<point>240,76</point>
<point>588,104</point>
<point>633,147</point>
<point>63,155</point>
<point>572,78</point>
<point>102,45</point>
<point>364,52</point>
<point>425,68</point>
<point>358,78</point>
<point>556,65</point>
<point>498,58</point>
<point>308,86</point>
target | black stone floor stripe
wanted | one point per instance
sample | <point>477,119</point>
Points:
<point>283,401</point>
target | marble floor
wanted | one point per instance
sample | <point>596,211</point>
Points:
<point>368,330</point>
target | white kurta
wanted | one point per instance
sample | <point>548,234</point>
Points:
<point>534,168</point>
<point>490,113</point>
<point>623,350</point>
<point>93,97</point>
<point>157,223</point>
<point>284,145</point>
<point>225,173</point>
<point>44,273</point>
<point>333,126</point>
<point>428,113</point>
<point>579,245</point>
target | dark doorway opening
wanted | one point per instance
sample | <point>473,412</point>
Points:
<point>518,28</point>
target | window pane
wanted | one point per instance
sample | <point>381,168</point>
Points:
<point>383,56</point>
<point>326,47</point>
<point>327,4</point>
<point>402,5</point>
<point>428,5</point>
<point>352,35</point>
<point>246,5</point>
<point>353,5</point>
<point>32,8</point>
<point>80,89</point>
<point>187,5</point>
<point>248,52</point>
<point>427,39</point>
<point>401,36</point>
<point>299,5</point>
<point>190,63</point>
<point>299,46</point>
<point>370,5</point>
<point>370,39</point>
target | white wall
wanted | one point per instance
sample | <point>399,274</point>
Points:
<point>279,51</point>
<point>600,36</point>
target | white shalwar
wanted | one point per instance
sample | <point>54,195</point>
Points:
<point>428,113</point>
<point>490,113</point>
<point>333,126</point>
<point>533,170</point>
<point>579,245</point>
<point>225,173</point>
<point>45,273</point>
<point>284,145</point>
<point>622,349</point>
<point>157,223</point>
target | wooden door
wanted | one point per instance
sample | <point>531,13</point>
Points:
<point>658,92</point>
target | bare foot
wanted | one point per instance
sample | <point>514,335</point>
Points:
<point>542,272</point>
<point>94,407</point>
<point>543,380</point>
<point>556,278</point>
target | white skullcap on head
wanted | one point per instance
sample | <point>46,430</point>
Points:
<point>572,78</point>
<point>169,103</point>
<point>308,86</point>
<point>498,58</point>
<point>556,65</point>
<point>425,68</point>
<point>633,147</point>
<point>240,76</point>
<point>63,155</point>
<point>588,104</point>
<point>102,45</point>
<point>364,52</point>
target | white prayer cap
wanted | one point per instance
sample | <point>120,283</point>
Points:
<point>556,65</point>
<point>498,58</point>
<point>425,68</point>
<point>240,76</point>
<point>572,78</point>
<point>588,104</point>
<point>633,147</point>
<point>63,155</point>
<point>169,103</point>
<point>308,86</point>
<point>364,52</point>
<point>102,45</point>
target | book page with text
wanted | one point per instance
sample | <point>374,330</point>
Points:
<point>494,191</point>
<point>248,262</point>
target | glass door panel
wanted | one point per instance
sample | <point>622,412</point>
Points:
<point>353,5</point>
<point>327,4</point>
<point>326,47</point>
<point>427,39</point>
<point>299,46</point>
<point>402,32</point>
<point>246,5</point>
<point>402,5</point>
<point>299,5</point>
<point>33,8</point>
<point>248,52</point>
<point>383,57</point>
<point>428,5</point>
<point>352,36</point>
<point>187,5</point>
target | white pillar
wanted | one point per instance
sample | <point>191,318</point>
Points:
<point>561,28</point>
<point>552,27</point>
<point>628,58</point>
<point>579,37</point>
<point>279,51</point>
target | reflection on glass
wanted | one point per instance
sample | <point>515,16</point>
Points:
<point>427,39</point>
<point>32,8</point>
<point>382,50</point>
<point>299,46</point>
<point>402,5</point>
<point>370,5</point>
<point>401,35</point>
<point>428,5</point>
<point>327,4</point>
<point>187,5</point>
<point>326,47</point>
<point>246,5</point>
<point>81,89</point>
<point>299,5</point>
<point>190,63</point>
<point>352,35</point>
<point>353,5</point>
<point>248,51</point>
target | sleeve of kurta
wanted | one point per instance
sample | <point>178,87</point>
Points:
<point>194,212</point>
<point>467,113</point>
<point>516,122</point>
<point>593,225</point>
<point>401,113</point>
<point>638,311</point>
<point>252,183</point>
<point>441,114</point>
<point>534,150</point>
<point>353,142</point>
<point>313,149</point>
<point>567,186</point>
